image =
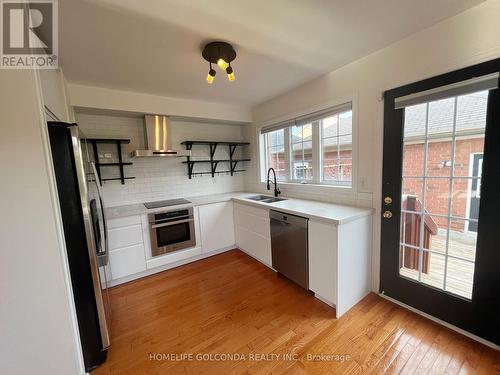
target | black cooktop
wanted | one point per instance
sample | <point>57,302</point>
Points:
<point>166,203</point>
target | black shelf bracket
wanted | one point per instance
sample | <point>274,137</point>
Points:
<point>213,147</point>
<point>118,142</point>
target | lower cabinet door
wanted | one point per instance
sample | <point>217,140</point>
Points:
<point>216,226</point>
<point>323,260</point>
<point>127,261</point>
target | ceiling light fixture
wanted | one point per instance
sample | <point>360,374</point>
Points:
<point>220,53</point>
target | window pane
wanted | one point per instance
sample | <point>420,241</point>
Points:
<point>459,277</point>
<point>415,119</point>
<point>345,123</point>
<point>275,153</point>
<point>302,161</point>
<point>330,126</point>
<point>413,159</point>
<point>441,116</point>
<point>432,269</point>
<point>409,259</point>
<point>437,197</point>
<point>462,241</point>
<point>439,158</point>
<point>336,148</point>
<point>411,199</point>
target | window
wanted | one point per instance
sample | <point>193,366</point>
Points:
<point>275,153</point>
<point>301,148</point>
<point>314,149</point>
<point>336,148</point>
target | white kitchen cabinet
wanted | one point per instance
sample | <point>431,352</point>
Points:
<point>323,260</point>
<point>126,246</point>
<point>216,226</point>
<point>252,232</point>
<point>339,262</point>
<point>124,236</point>
<point>127,261</point>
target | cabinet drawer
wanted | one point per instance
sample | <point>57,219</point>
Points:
<point>127,261</point>
<point>251,222</point>
<point>123,221</point>
<point>254,244</point>
<point>262,212</point>
<point>124,236</point>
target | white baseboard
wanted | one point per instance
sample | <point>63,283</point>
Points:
<point>168,266</point>
<point>443,323</point>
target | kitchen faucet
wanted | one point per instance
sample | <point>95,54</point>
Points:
<point>276,190</point>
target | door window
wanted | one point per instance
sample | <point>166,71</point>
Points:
<point>440,191</point>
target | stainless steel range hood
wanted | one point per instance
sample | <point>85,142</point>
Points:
<point>158,138</point>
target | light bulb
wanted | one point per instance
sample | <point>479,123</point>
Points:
<point>230,73</point>
<point>222,63</point>
<point>211,76</point>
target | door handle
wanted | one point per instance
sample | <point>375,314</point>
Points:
<point>387,214</point>
<point>387,200</point>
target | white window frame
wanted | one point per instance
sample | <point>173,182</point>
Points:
<point>317,182</point>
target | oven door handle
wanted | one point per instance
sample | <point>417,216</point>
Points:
<point>154,226</point>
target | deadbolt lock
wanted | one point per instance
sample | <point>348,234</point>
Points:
<point>387,200</point>
<point>387,214</point>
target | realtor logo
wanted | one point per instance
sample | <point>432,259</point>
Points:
<point>29,34</point>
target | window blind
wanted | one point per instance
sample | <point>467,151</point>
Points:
<point>469,86</point>
<point>307,119</point>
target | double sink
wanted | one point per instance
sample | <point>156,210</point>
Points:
<point>266,199</point>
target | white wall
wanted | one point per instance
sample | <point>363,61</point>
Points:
<point>468,38</point>
<point>37,321</point>
<point>161,178</point>
<point>109,99</point>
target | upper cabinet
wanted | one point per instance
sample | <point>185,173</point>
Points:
<point>54,95</point>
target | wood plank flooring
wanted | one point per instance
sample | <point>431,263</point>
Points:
<point>231,305</point>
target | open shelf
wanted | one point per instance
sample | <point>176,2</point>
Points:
<point>112,164</point>
<point>214,162</point>
<point>118,142</point>
<point>214,143</point>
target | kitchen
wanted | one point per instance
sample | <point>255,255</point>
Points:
<point>227,206</point>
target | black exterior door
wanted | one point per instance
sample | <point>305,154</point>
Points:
<point>475,191</point>
<point>440,250</point>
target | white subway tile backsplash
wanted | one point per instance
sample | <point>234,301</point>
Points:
<point>159,178</point>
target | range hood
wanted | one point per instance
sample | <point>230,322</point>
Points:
<point>158,138</point>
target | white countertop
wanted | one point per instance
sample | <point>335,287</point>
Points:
<point>329,212</point>
<point>334,213</point>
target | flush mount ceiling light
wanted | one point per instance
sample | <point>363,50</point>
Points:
<point>220,53</point>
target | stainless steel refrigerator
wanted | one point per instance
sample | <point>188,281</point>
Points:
<point>84,223</point>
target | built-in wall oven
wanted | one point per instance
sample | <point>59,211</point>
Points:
<point>171,231</point>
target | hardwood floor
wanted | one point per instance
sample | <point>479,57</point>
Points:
<point>230,304</point>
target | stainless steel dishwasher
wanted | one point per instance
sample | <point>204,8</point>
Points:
<point>289,246</point>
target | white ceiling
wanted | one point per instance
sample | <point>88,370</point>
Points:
<point>154,46</point>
